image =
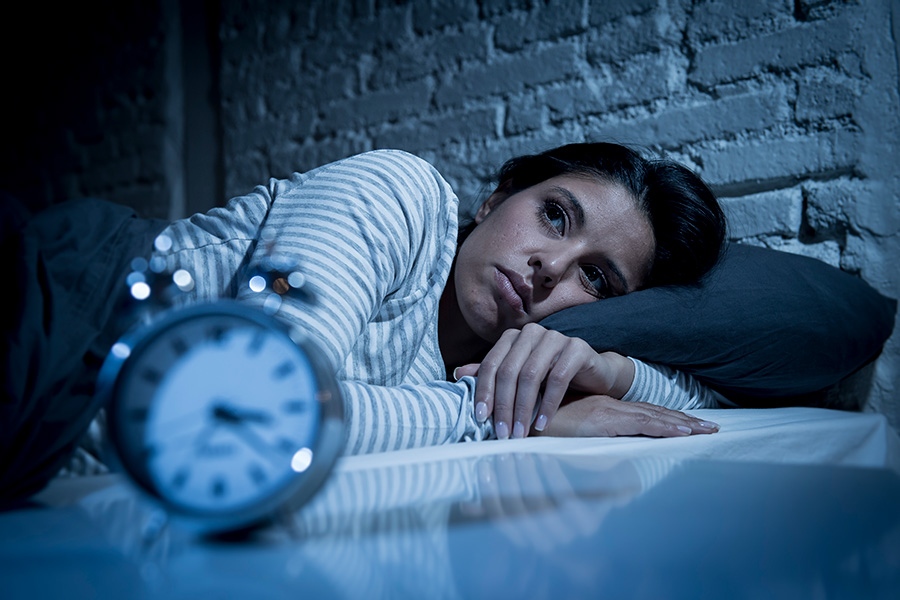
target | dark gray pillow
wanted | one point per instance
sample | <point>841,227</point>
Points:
<point>764,325</point>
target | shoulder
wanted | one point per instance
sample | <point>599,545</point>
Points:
<point>395,170</point>
<point>394,160</point>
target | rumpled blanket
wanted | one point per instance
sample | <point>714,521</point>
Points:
<point>67,267</point>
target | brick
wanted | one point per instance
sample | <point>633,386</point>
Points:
<point>825,206</point>
<point>434,15</point>
<point>638,82</point>
<point>875,259</point>
<point>331,16</point>
<point>769,213</point>
<point>394,26</point>
<point>819,9</point>
<point>828,251</point>
<point>556,19</point>
<point>361,9</point>
<point>734,18</point>
<point>824,99</point>
<point>817,43</point>
<point>327,50</point>
<point>423,57</point>
<point>247,169</point>
<point>290,104</point>
<point>524,113</point>
<point>496,152</point>
<point>601,12</point>
<point>740,166</point>
<point>627,39</point>
<point>676,126</point>
<point>418,134</point>
<point>389,28</point>
<point>874,207</point>
<point>496,7</point>
<point>377,107</point>
<point>509,75</point>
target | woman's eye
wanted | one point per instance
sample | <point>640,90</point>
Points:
<point>556,216</point>
<point>596,279</point>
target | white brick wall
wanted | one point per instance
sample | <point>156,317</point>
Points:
<point>789,109</point>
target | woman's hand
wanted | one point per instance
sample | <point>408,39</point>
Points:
<point>602,416</point>
<point>537,365</point>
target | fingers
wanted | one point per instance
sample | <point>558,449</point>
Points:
<point>536,368</point>
<point>570,361</point>
<point>484,387</point>
<point>603,416</point>
<point>512,374</point>
<point>640,418</point>
<point>466,370</point>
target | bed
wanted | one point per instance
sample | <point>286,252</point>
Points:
<point>781,503</point>
<point>788,499</point>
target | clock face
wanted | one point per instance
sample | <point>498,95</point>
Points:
<point>217,413</point>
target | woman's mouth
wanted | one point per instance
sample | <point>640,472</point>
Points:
<point>509,292</point>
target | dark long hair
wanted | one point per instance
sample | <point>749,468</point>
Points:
<point>687,221</point>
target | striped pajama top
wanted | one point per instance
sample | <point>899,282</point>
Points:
<point>375,235</point>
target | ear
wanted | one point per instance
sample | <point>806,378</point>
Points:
<point>490,204</point>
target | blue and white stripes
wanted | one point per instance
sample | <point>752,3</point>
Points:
<point>375,236</point>
<point>670,388</point>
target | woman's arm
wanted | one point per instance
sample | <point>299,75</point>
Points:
<point>604,416</point>
<point>375,237</point>
<point>527,374</point>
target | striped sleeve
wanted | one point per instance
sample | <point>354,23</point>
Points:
<point>669,388</point>
<point>358,228</point>
<point>382,418</point>
<point>216,245</point>
<point>355,227</point>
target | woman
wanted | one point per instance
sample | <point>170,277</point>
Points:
<point>376,236</point>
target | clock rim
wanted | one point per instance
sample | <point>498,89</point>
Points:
<point>290,495</point>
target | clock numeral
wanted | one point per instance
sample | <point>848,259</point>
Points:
<point>219,487</point>
<point>151,376</point>
<point>179,346</point>
<point>287,446</point>
<point>256,342</point>
<point>257,474</point>
<point>216,333</point>
<point>180,478</point>
<point>294,406</point>
<point>284,369</point>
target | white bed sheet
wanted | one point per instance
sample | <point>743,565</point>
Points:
<point>792,435</point>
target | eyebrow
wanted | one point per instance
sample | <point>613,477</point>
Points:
<point>579,216</point>
<point>576,204</point>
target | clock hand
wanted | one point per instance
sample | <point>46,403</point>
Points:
<point>234,415</point>
<point>276,454</point>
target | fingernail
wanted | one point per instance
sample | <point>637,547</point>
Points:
<point>708,424</point>
<point>541,422</point>
<point>455,376</point>
<point>502,430</point>
<point>518,430</point>
<point>683,429</point>
<point>481,412</point>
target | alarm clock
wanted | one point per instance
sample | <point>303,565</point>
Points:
<point>222,413</point>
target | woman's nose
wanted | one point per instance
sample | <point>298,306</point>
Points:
<point>550,268</point>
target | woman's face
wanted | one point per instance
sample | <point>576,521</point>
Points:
<point>566,241</point>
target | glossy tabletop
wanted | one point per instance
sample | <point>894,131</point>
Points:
<point>497,526</point>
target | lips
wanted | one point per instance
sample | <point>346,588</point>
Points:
<point>513,289</point>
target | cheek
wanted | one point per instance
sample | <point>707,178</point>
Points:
<point>566,296</point>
